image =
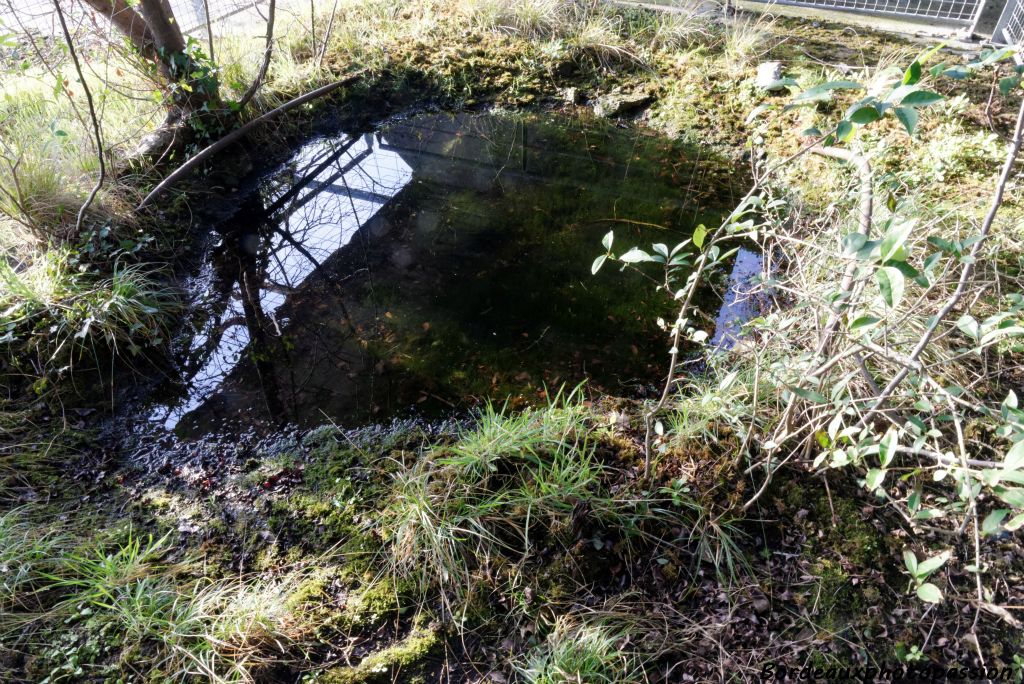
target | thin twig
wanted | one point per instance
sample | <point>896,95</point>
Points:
<point>691,289</point>
<point>209,27</point>
<point>92,115</point>
<point>267,52</point>
<point>327,37</point>
<point>965,273</point>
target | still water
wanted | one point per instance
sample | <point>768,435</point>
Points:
<point>436,262</point>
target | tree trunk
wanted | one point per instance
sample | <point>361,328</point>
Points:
<point>193,100</point>
<point>160,20</point>
<point>126,20</point>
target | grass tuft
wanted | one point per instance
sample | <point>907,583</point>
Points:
<point>580,652</point>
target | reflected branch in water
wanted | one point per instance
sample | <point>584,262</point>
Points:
<point>261,350</point>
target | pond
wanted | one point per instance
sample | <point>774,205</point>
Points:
<point>439,261</point>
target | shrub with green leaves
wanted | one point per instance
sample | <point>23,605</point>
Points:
<point>905,319</point>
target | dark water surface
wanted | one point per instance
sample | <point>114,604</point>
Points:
<point>442,260</point>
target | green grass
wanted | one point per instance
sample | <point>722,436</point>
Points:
<point>580,652</point>
<point>129,609</point>
<point>58,314</point>
<point>28,552</point>
<point>48,154</point>
<point>505,484</point>
<point>477,510</point>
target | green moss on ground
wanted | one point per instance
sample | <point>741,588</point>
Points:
<point>403,657</point>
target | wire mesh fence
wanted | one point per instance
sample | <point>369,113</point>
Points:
<point>39,16</point>
<point>952,11</point>
<point>248,17</point>
<point>1010,29</point>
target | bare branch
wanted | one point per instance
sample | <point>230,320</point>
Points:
<point>248,95</point>
<point>92,115</point>
<point>129,22</point>
<point>965,273</point>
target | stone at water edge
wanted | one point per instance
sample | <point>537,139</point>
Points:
<point>617,103</point>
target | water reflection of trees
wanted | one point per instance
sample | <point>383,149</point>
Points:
<point>278,241</point>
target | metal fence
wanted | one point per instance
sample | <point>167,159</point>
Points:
<point>39,16</point>
<point>229,15</point>
<point>1010,29</point>
<point>953,12</point>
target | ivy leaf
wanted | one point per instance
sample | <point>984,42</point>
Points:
<point>635,256</point>
<point>913,73</point>
<point>891,283</point>
<point>908,117</point>
<point>993,522</point>
<point>699,233</point>
<point>921,98</point>
<point>930,593</point>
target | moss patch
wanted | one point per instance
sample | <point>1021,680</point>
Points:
<point>403,657</point>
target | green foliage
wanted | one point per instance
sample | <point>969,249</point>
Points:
<point>28,553</point>
<point>921,571</point>
<point>898,274</point>
<point>96,599</point>
<point>61,311</point>
<point>892,275</point>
